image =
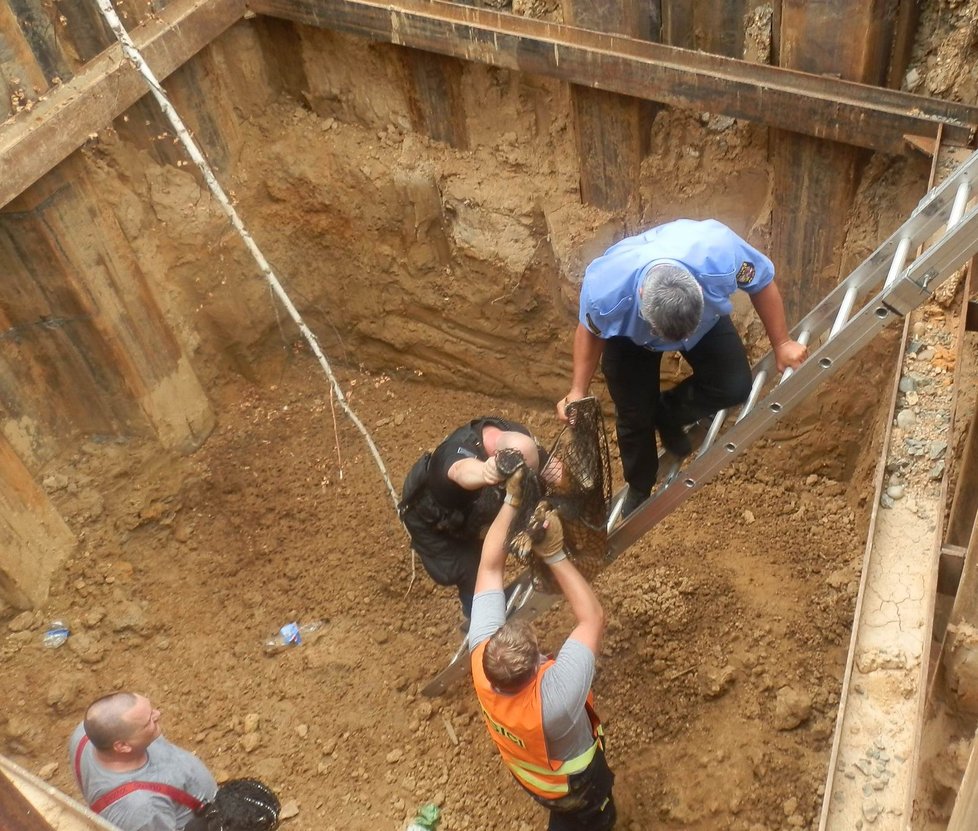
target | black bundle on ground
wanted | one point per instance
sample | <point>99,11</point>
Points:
<point>240,805</point>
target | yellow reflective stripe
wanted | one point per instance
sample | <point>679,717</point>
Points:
<point>540,784</point>
<point>524,770</point>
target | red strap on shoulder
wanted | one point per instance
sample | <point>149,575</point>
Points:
<point>177,795</point>
<point>78,755</point>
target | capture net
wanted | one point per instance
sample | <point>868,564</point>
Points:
<point>240,805</point>
<point>576,481</point>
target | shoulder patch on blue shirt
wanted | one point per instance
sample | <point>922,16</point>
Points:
<point>591,325</point>
<point>746,274</point>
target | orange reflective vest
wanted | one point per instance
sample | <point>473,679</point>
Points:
<point>515,722</point>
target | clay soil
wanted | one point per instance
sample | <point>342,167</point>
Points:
<point>728,624</point>
<point>720,671</point>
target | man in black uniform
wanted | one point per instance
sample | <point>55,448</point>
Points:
<point>451,496</point>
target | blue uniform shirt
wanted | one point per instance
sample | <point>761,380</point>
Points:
<point>720,261</point>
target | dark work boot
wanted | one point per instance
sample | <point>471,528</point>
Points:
<point>674,438</point>
<point>633,498</point>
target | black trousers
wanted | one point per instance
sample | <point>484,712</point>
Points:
<point>449,560</point>
<point>721,378</point>
<point>590,794</point>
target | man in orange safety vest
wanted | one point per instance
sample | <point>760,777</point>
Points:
<point>538,710</point>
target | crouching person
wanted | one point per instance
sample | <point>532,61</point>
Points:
<point>538,710</point>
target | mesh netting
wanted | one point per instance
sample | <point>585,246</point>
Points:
<point>240,805</point>
<point>576,481</point>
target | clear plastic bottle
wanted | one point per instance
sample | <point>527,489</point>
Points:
<point>426,819</point>
<point>292,634</point>
<point>56,634</point>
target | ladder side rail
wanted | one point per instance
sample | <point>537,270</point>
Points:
<point>935,265</point>
<point>926,220</point>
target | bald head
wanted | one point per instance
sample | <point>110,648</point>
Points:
<point>510,439</point>
<point>106,722</point>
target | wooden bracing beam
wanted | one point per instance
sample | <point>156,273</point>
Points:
<point>16,813</point>
<point>34,142</point>
<point>824,107</point>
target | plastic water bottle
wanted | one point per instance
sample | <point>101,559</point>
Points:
<point>427,818</point>
<point>56,634</point>
<point>292,634</point>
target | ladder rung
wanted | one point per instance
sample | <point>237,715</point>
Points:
<point>845,309</point>
<point>713,432</point>
<point>899,261</point>
<point>755,393</point>
<point>961,197</point>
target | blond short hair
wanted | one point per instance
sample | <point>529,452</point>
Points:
<point>511,655</point>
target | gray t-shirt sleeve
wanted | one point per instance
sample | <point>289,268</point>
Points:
<point>488,614</point>
<point>563,693</point>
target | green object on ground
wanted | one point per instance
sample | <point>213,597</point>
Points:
<point>427,817</point>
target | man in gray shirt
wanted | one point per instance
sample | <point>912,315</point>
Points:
<point>132,776</point>
<point>538,710</point>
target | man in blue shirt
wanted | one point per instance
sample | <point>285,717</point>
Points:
<point>668,290</point>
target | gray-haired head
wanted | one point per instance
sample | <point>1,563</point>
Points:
<point>670,301</point>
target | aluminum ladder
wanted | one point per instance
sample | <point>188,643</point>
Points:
<point>886,286</point>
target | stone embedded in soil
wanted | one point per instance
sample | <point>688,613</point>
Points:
<point>290,808</point>
<point>94,617</point>
<point>128,615</point>
<point>87,647</point>
<point>62,694</point>
<point>48,771</point>
<point>715,681</point>
<point>24,621</point>
<point>251,723</point>
<point>871,810</point>
<point>905,419</point>
<point>895,491</point>
<point>791,708</point>
<point>937,471</point>
<point>54,482</point>
<point>250,742</point>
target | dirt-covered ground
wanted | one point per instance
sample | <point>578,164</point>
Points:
<point>718,681</point>
<point>728,624</point>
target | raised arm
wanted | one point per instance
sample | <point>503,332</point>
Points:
<point>770,309</point>
<point>493,563</point>
<point>580,596</point>
<point>587,353</point>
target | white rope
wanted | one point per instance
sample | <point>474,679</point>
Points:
<point>133,54</point>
